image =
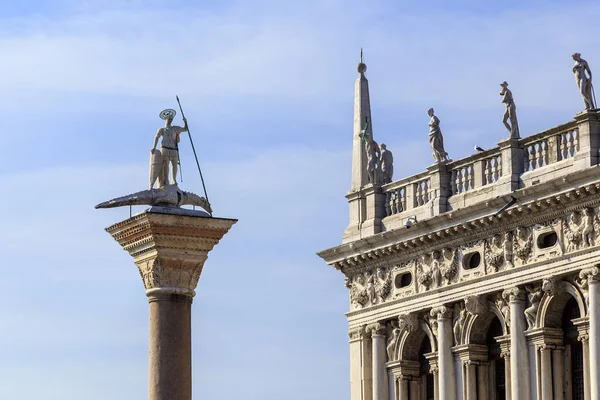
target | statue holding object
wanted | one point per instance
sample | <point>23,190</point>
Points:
<point>584,82</point>
<point>510,113</point>
<point>166,195</point>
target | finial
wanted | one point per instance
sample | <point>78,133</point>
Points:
<point>362,67</point>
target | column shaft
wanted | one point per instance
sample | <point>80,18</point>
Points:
<point>546,372</point>
<point>414,389</point>
<point>380,386</point>
<point>594,342</point>
<point>519,359</point>
<point>586,369</point>
<point>403,383</point>
<point>558,360</point>
<point>447,375</point>
<point>507,382</point>
<point>482,381</point>
<point>471,378</point>
<point>436,387</point>
<point>170,372</point>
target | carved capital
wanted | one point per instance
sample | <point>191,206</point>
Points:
<point>170,275</point>
<point>376,329</point>
<point>592,275</point>
<point>513,294</point>
<point>441,312</point>
<point>356,333</point>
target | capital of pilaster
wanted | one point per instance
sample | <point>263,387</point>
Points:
<point>356,333</point>
<point>169,247</point>
<point>513,295</point>
<point>592,275</point>
<point>441,312</point>
<point>376,329</point>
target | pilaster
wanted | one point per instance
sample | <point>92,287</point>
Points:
<point>588,125</point>
<point>519,360</point>
<point>593,278</point>
<point>447,374</point>
<point>441,187</point>
<point>513,164</point>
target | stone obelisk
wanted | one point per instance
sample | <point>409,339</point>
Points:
<point>169,247</point>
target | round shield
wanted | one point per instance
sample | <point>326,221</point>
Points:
<point>168,113</point>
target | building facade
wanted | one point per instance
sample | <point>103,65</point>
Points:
<point>478,278</point>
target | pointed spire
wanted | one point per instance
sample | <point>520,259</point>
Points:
<point>362,126</point>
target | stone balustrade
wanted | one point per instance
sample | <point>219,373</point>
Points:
<point>513,164</point>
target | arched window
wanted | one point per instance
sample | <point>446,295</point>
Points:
<point>427,378</point>
<point>497,367</point>
<point>573,350</point>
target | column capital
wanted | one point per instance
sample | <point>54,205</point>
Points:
<point>592,275</point>
<point>441,312</point>
<point>170,246</point>
<point>513,295</point>
<point>376,329</point>
<point>356,333</point>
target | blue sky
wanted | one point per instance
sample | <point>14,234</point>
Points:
<point>268,90</point>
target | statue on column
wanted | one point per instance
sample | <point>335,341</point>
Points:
<point>166,195</point>
<point>510,112</point>
<point>584,81</point>
<point>386,161</point>
<point>169,152</point>
<point>436,140</point>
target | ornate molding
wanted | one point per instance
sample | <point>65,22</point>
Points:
<point>357,333</point>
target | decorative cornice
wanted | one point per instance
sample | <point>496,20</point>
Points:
<point>531,213</point>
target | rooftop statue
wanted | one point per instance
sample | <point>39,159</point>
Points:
<point>373,154</point>
<point>510,113</point>
<point>584,82</point>
<point>436,139</point>
<point>167,194</point>
<point>386,162</point>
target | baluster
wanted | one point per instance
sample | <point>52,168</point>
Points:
<point>403,200</point>
<point>545,152</point>
<point>459,181</point>
<point>427,190</point>
<point>492,170</point>
<point>576,141</point>
<point>564,151</point>
<point>499,167</point>
<point>571,144</point>
<point>526,159</point>
<point>389,198</point>
<point>453,182</point>
<point>532,158</point>
<point>471,177</point>
<point>418,194</point>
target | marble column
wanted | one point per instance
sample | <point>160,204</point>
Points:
<point>506,356</point>
<point>471,380</point>
<point>358,339</point>
<point>447,375</point>
<point>403,388</point>
<point>414,389</point>
<point>482,381</point>
<point>584,339</point>
<point>558,372</point>
<point>593,279</point>
<point>546,371</point>
<point>169,247</point>
<point>380,385</point>
<point>519,356</point>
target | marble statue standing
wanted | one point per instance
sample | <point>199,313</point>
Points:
<point>436,139</point>
<point>386,161</point>
<point>510,113</point>
<point>169,153</point>
<point>584,82</point>
<point>373,155</point>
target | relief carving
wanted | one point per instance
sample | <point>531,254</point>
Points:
<point>460,315</point>
<point>578,229</point>
<point>523,244</point>
<point>552,286</point>
<point>534,296</point>
<point>494,254</point>
<point>449,268</point>
<point>368,288</point>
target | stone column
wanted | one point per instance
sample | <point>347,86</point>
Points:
<point>403,385</point>
<point>357,338</point>
<point>169,247</point>
<point>447,375</point>
<point>440,187</point>
<point>593,279</point>
<point>519,356</point>
<point>505,354</point>
<point>380,385</point>
<point>546,371</point>
<point>414,388</point>
<point>584,339</point>
<point>558,373</point>
<point>471,380</point>
<point>482,381</point>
